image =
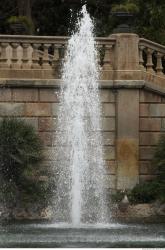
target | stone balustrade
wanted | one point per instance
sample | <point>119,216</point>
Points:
<point>152,57</point>
<point>46,53</point>
<point>36,57</point>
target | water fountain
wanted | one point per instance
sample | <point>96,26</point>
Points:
<point>80,204</point>
<point>80,193</point>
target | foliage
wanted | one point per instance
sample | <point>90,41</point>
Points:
<point>127,6</point>
<point>149,191</point>
<point>28,24</point>
<point>56,18</point>
<point>159,158</point>
<point>20,161</point>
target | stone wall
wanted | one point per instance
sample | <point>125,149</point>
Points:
<point>132,121</point>
<point>152,126</point>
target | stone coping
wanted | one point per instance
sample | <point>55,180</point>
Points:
<point>111,84</point>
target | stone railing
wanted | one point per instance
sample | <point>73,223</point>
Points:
<point>152,57</point>
<point>36,57</point>
<point>46,53</point>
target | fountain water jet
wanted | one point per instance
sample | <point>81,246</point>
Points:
<point>80,186</point>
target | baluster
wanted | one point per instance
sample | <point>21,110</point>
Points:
<point>3,58</point>
<point>159,67</point>
<point>45,59</point>
<point>56,57</point>
<point>25,57</point>
<point>141,61</point>
<point>14,58</point>
<point>149,64</point>
<point>108,58</point>
<point>100,54</point>
<point>35,56</point>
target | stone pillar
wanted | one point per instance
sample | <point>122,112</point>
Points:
<point>126,51</point>
<point>127,138</point>
<point>126,56</point>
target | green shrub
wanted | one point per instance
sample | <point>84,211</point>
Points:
<point>152,190</point>
<point>20,161</point>
<point>24,20</point>
<point>159,158</point>
<point>127,6</point>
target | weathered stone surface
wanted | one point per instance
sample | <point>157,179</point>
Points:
<point>12,109</point>
<point>5,94</point>
<point>47,124</point>
<point>146,153</point>
<point>149,138</point>
<point>157,109</point>
<point>107,95</point>
<point>38,109</point>
<point>128,139</point>
<point>146,168</point>
<point>150,124</point>
<point>108,109</point>
<point>55,109</point>
<point>108,123</point>
<point>147,177</point>
<point>31,121</point>
<point>139,210</point>
<point>46,137</point>
<point>144,110</point>
<point>127,170</point>
<point>111,167</point>
<point>163,124</point>
<point>48,95</point>
<point>25,95</point>
<point>146,96</point>
<point>110,181</point>
<point>108,138</point>
<point>109,152</point>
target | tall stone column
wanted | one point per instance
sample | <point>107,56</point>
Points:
<point>127,144</point>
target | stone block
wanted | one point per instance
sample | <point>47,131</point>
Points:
<point>108,109</point>
<point>110,181</point>
<point>157,110</point>
<point>38,109</point>
<point>46,138</point>
<point>144,110</point>
<point>146,168</point>
<point>108,124</point>
<point>31,121</point>
<point>12,109</point>
<point>149,138</point>
<point>144,178</point>
<point>163,99</point>
<point>111,167</point>
<point>49,153</point>
<point>150,97</point>
<point>48,95</point>
<point>25,95</point>
<point>108,138</point>
<point>109,152</point>
<point>5,94</point>
<point>55,109</point>
<point>146,152</point>
<point>163,124</point>
<point>107,95</point>
<point>47,124</point>
<point>150,124</point>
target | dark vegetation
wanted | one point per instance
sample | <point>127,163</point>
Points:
<point>57,17</point>
<point>20,164</point>
<point>151,190</point>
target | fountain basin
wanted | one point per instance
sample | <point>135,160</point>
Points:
<point>63,235</point>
